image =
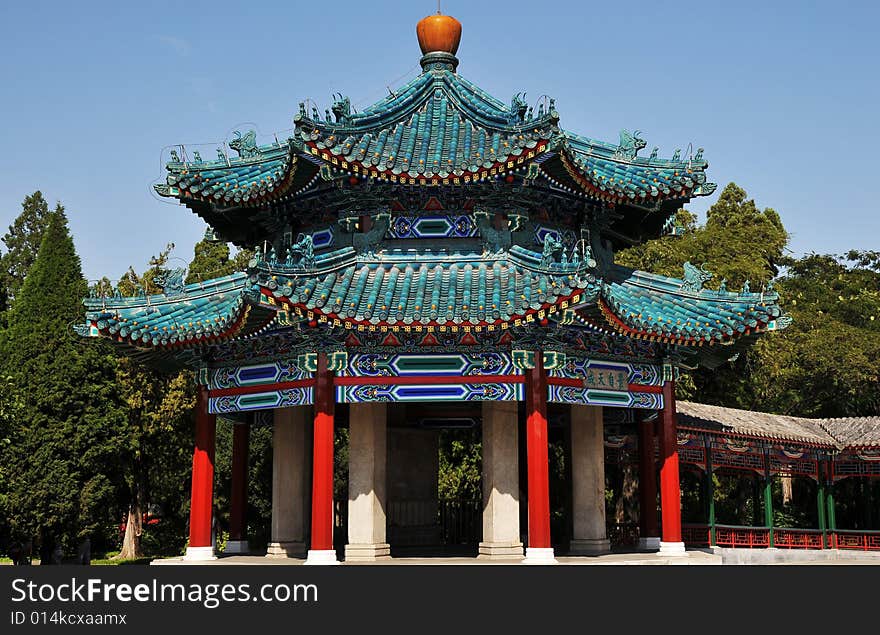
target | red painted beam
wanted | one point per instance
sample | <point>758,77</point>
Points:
<point>202,493</point>
<point>537,454</point>
<point>249,390</point>
<point>670,488</point>
<point>238,502</point>
<point>322,459</point>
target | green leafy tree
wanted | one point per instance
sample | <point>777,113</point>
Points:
<point>825,363</point>
<point>460,457</point>
<point>63,444</point>
<point>158,430</point>
<point>155,434</point>
<point>738,243</point>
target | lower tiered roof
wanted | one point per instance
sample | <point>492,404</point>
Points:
<point>399,289</point>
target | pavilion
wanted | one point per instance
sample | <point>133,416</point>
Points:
<point>440,254</point>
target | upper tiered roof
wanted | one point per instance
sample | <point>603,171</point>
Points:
<point>439,129</point>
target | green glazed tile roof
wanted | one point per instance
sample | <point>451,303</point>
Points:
<point>438,125</point>
<point>403,289</point>
<point>235,181</point>
<point>596,167</point>
<point>201,313</point>
<point>645,305</point>
<point>439,128</point>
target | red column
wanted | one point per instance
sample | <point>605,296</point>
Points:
<point>670,488</point>
<point>647,481</point>
<point>536,453</point>
<point>202,497</point>
<point>238,502</point>
<point>322,459</point>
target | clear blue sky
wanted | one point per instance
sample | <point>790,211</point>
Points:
<point>783,96</point>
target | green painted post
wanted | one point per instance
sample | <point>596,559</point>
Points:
<point>829,499</point>
<point>710,494</point>
<point>768,497</point>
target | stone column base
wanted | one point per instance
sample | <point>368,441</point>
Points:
<point>196,554</point>
<point>287,549</point>
<point>589,546</point>
<point>672,549</point>
<point>367,552</point>
<point>236,546</point>
<point>649,543</point>
<point>322,556</point>
<point>500,551</point>
<point>539,555</point>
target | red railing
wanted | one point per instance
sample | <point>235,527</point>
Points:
<point>740,536</point>
<point>783,537</point>
<point>786,538</point>
<point>860,540</point>
<point>695,535</point>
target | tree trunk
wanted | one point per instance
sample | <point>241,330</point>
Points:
<point>630,494</point>
<point>131,543</point>
<point>787,489</point>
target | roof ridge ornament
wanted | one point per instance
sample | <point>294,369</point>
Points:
<point>246,145</point>
<point>439,36</point>
<point>630,144</point>
<point>695,278</point>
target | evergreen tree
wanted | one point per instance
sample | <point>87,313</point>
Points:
<point>61,459</point>
<point>22,242</point>
<point>211,259</point>
<point>739,242</point>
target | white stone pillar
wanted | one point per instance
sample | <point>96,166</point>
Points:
<point>289,441</point>
<point>501,539</point>
<point>367,454</point>
<point>588,481</point>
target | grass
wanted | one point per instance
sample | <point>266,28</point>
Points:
<point>113,562</point>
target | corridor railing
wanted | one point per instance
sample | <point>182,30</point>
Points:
<point>699,535</point>
<point>861,540</point>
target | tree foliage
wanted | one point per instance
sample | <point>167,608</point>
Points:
<point>22,242</point>
<point>824,364</point>
<point>212,259</point>
<point>63,444</point>
<point>738,242</point>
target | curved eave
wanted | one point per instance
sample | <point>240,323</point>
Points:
<point>656,308</point>
<point>202,314</point>
<point>244,182</point>
<point>470,291</point>
<point>530,316</point>
<point>341,164</point>
<point>640,182</point>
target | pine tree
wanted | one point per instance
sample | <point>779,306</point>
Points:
<point>61,461</point>
<point>211,259</point>
<point>22,242</point>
